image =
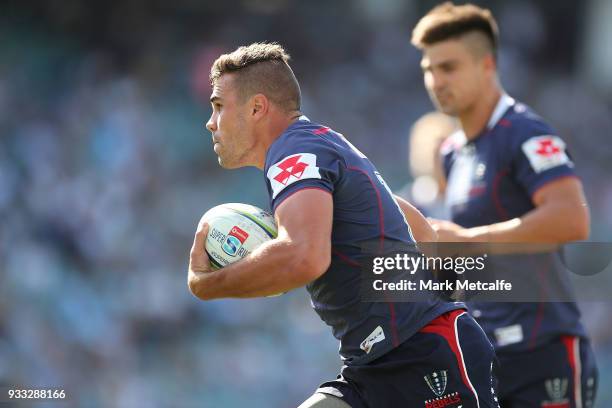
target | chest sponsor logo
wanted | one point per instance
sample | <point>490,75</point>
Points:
<point>291,169</point>
<point>545,152</point>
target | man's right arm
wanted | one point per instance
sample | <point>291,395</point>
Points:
<point>300,254</point>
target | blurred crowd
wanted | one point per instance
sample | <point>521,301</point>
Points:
<point>106,167</point>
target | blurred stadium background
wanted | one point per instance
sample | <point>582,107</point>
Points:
<point>106,167</point>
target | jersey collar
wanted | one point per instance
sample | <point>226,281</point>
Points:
<point>505,102</point>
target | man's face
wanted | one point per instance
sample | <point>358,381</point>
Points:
<point>228,124</point>
<point>453,75</point>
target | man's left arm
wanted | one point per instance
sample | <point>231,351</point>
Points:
<point>420,227</point>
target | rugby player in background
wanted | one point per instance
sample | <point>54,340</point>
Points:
<point>509,179</point>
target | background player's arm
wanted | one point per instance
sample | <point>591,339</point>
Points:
<point>300,254</point>
<point>421,229</point>
<point>561,215</point>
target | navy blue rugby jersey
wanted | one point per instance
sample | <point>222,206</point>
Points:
<point>493,179</point>
<point>308,155</point>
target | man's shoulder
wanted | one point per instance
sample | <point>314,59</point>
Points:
<point>299,137</point>
<point>522,122</point>
<point>303,133</point>
<point>304,136</point>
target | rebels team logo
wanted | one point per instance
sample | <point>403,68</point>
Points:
<point>556,388</point>
<point>234,241</point>
<point>545,152</point>
<point>291,169</point>
<point>437,384</point>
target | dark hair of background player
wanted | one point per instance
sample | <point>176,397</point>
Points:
<point>448,21</point>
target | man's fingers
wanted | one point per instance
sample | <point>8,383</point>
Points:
<point>198,255</point>
<point>435,224</point>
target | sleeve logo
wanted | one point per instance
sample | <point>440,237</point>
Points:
<point>545,152</point>
<point>292,168</point>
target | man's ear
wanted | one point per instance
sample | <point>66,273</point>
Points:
<point>489,63</point>
<point>259,106</point>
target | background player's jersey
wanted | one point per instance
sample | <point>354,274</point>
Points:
<point>308,155</point>
<point>493,179</point>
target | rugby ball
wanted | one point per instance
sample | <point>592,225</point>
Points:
<point>235,230</point>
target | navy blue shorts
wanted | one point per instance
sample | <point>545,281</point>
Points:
<point>448,363</point>
<point>561,374</point>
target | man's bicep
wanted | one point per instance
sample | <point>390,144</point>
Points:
<point>305,217</point>
<point>567,189</point>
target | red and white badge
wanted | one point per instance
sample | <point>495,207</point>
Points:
<point>291,169</point>
<point>545,152</point>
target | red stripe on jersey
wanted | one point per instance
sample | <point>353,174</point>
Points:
<point>321,130</point>
<point>501,211</point>
<point>345,258</point>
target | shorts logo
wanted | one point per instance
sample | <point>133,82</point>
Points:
<point>437,382</point>
<point>545,152</point>
<point>234,241</point>
<point>556,388</point>
<point>291,169</point>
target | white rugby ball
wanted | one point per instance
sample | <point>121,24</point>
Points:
<point>235,230</point>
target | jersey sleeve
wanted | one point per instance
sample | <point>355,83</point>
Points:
<point>541,158</point>
<point>301,161</point>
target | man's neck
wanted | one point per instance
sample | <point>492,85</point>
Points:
<point>474,121</point>
<point>273,131</point>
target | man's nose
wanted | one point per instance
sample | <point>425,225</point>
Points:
<point>438,82</point>
<point>211,125</point>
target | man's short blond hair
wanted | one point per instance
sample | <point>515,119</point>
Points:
<point>448,21</point>
<point>261,68</point>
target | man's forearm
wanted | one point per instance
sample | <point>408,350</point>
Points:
<point>272,268</point>
<point>551,223</point>
<point>421,229</point>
